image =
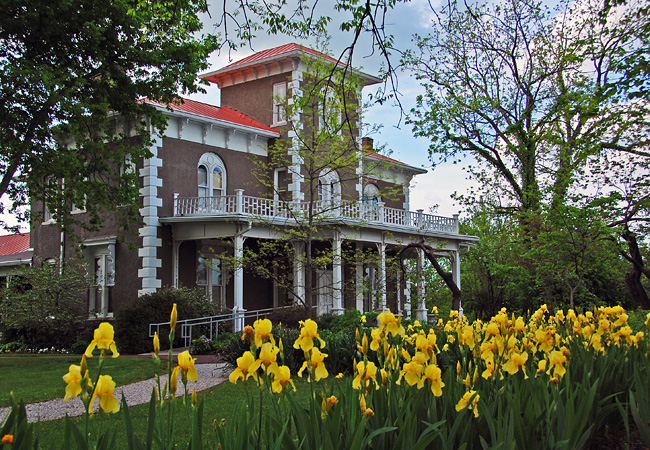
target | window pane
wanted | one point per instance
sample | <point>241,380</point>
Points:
<point>201,272</point>
<point>217,178</point>
<point>216,271</point>
<point>99,271</point>
<point>110,271</point>
<point>202,173</point>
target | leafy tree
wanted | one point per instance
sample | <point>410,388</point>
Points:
<point>73,75</point>
<point>43,306</point>
<point>524,90</point>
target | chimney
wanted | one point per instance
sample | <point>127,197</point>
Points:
<point>367,144</point>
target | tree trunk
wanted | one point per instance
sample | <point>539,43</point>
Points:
<point>633,278</point>
<point>447,277</point>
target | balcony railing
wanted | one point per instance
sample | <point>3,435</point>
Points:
<point>264,209</point>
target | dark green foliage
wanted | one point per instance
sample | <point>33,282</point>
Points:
<point>202,346</point>
<point>132,321</point>
<point>341,350</point>
<point>44,308</point>
<point>79,347</point>
<point>229,347</point>
<point>333,322</point>
<point>68,69</point>
<point>288,317</point>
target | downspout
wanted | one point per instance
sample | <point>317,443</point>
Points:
<point>61,252</point>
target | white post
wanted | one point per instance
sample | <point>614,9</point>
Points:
<point>359,277</point>
<point>421,311</point>
<point>382,275</point>
<point>299,270</point>
<point>240,200</point>
<point>455,274</point>
<point>176,203</point>
<point>420,224</point>
<point>456,228</point>
<point>407,294</point>
<point>238,279</point>
<point>380,210</point>
<point>337,274</point>
<point>175,262</point>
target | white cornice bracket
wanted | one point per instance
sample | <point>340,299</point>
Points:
<point>227,135</point>
<point>181,126</point>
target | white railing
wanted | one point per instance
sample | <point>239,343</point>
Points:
<point>268,209</point>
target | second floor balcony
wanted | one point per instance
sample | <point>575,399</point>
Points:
<point>354,213</point>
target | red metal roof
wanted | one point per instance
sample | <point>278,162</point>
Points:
<point>14,243</point>
<point>214,112</point>
<point>278,51</point>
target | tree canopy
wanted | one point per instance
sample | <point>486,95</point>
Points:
<point>72,79</point>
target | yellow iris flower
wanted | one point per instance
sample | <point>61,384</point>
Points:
<point>173,317</point>
<point>263,333</point>
<point>186,363</point>
<point>308,332</point>
<point>411,372</point>
<point>73,379</point>
<point>465,402</point>
<point>103,339</point>
<point>243,371</point>
<point>268,355</point>
<point>556,362</point>
<point>104,392</point>
<point>317,365</point>
<point>516,361</point>
<point>434,375</point>
<point>281,376</point>
<point>392,324</point>
<point>365,373</point>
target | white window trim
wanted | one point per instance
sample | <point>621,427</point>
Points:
<point>100,248</point>
<point>279,102</point>
<point>211,161</point>
<point>276,183</point>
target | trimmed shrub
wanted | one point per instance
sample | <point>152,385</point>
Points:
<point>351,319</point>
<point>132,321</point>
<point>288,317</point>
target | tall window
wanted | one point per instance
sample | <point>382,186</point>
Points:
<point>329,187</point>
<point>279,101</point>
<point>329,114</point>
<point>209,276</point>
<point>211,176</point>
<point>281,180</point>
<point>371,194</point>
<point>371,199</point>
<point>101,260</point>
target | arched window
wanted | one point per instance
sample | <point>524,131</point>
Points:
<point>371,194</point>
<point>329,186</point>
<point>211,176</point>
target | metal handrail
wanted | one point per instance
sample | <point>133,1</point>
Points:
<point>187,325</point>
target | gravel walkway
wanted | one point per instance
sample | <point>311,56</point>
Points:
<point>136,394</point>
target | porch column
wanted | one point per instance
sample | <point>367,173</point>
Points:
<point>455,274</point>
<point>298,271</point>
<point>175,262</point>
<point>382,275</point>
<point>421,311</point>
<point>238,279</point>
<point>337,274</point>
<point>407,302</point>
<point>359,277</point>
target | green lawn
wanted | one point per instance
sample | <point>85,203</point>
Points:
<point>34,378</point>
<point>220,403</point>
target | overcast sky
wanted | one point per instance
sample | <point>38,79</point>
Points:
<point>433,188</point>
